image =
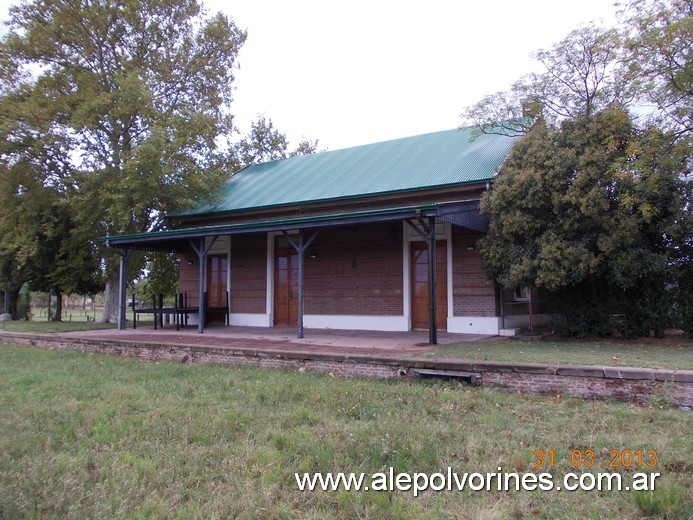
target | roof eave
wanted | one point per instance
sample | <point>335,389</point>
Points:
<point>464,213</point>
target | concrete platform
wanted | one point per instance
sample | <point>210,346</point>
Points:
<point>371,354</point>
<point>345,342</point>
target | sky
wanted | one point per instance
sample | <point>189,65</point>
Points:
<point>360,71</point>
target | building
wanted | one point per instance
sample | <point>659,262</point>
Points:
<point>344,239</point>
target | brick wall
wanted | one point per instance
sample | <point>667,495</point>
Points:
<point>219,355</point>
<point>249,274</point>
<point>632,390</point>
<point>188,278</point>
<point>358,271</point>
<point>473,294</point>
<point>587,382</point>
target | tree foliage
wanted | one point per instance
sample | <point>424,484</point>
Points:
<point>266,143</point>
<point>41,241</point>
<point>646,60</point>
<point>595,209</point>
<point>581,76</point>
<point>593,204</point>
<point>658,35</point>
<point>132,96</point>
<point>161,275</point>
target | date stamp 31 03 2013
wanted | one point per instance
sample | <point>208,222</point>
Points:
<point>587,458</point>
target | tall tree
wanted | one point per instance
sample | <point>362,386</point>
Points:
<point>32,169</point>
<point>589,206</point>
<point>265,143</point>
<point>63,260</point>
<point>658,40</point>
<point>595,213</point>
<point>139,91</point>
<point>582,76</point>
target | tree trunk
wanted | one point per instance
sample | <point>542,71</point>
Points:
<point>12,300</point>
<point>110,307</point>
<point>58,306</point>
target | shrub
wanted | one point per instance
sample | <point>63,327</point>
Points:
<point>578,312</point>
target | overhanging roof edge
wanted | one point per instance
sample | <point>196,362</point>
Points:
<point>314,221</point>
<point>462,213</point>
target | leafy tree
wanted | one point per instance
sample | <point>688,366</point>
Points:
<point>647,59</point>
<point>658,36</point>
<point>11,282</point>
<point>305,147</point>
<point>593,212</point>
<point>42,243</point>
<point>137,92</point>
<point>12,273</point>
<point>265,143</point>
<point>589,207</point>
<point>63,260</point>
<point>581,77</point>
<point>162,275</point>
<point>41,239</point>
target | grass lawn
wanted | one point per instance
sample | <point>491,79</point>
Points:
<point>69,313</point>
<point>95,436</point>
<point>674,353</point>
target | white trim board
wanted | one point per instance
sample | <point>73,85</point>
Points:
<point>350,322</point>
<point>239,319</point>
<point>474,324</point>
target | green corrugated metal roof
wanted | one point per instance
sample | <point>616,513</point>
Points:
<point>425,161</point>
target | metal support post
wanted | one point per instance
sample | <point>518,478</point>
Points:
<point>301,250</point>
<point>202,248</point>
<point>428,233</point>
<point>301,246</point>
<point>122,288</point>
<point>432,284</point>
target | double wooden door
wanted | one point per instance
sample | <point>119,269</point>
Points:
<point>419,285</point>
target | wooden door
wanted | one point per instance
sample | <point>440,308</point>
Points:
<point>419,285</point>
<point>217,276</point>
<point>285,287</point>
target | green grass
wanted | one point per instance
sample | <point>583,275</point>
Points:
<point>74,320</point>
<point>94,436</point>
<point>669,353</point>
<point>68,313</point>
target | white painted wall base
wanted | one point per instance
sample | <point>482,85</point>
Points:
<point>456,324</point>
<point>329,321</point>
<point>474,324</point>
<point>250,320</point>
<point>240,320</point>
